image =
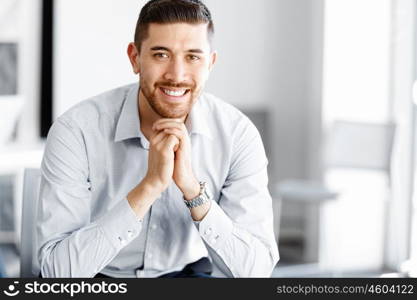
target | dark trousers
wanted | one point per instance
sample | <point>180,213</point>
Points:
<point>201,268</point>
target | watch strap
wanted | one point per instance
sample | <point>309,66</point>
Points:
<point>203,197</point>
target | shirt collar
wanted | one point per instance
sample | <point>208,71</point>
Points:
<point>197,122</point>
<point>128,125</point>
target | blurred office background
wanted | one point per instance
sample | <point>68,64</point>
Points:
<point>329,84</point>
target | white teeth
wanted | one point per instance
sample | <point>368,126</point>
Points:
<point>174,93</point>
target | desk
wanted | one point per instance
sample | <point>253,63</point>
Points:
<point>310,197</point>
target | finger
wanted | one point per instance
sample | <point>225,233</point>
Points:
<point>163,120</point>
<point>178,129</point>
<point>164,123</point>
<point>176,147</point>
<point>179,136</point>
<point>158,137</point>
<point>179,126</point>
<point>171,141</point>
<point>177,132</point>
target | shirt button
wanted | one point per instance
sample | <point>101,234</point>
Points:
<point>214,240</point>
<point>208,231</point>
<point>149,255</point>
<point>129,233</point>
<point>154,226</point>
<point>122,241</point>
<point>140,273</point>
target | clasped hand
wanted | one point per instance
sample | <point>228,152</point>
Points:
<point>170,158</point>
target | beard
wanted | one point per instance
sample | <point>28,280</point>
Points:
<point>165,109</point>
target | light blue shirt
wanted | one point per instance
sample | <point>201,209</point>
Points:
<point>96,154</point>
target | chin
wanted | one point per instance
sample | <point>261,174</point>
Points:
<point>170,110</point>
<point>172,114</point>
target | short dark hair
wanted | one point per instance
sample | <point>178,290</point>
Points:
<point>172,11</point>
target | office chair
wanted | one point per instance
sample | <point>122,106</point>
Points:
<point>349,146</point>
<point>29,266</point>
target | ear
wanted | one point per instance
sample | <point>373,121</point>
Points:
<point>133,55</point>
<point>213,59</point>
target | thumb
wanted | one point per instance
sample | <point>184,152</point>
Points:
<point>176,147</point>
<point>173,142</point>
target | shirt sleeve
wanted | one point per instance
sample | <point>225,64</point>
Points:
<point>69,243</point>
<point>238,230</point>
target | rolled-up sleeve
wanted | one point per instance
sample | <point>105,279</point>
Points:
<point>69,243</point>
<point>238,230</point>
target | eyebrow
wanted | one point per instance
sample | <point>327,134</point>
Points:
<point>161,48</point>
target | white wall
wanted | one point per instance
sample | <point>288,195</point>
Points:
<point>91,39</point>
<point>270,56</point>
<point>266,60</point>
<point>29,54</point>
<point>404,72</point>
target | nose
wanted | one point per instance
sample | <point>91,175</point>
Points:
<point>176,71</point>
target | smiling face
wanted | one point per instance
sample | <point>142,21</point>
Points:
<point>174,63</point>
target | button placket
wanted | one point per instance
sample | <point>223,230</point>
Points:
<point>122,241</point>
<point>208,231</point>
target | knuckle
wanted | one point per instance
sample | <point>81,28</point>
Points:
<point>165,155</point>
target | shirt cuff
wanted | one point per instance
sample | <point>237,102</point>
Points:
<point>215,227</point>
<point>120,225</point>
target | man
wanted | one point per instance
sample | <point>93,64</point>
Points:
<point>157,178</point>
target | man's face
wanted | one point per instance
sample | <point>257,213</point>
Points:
<point>174,62</point>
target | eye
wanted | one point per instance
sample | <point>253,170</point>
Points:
<point>160,55</point>
<point>193,57</point>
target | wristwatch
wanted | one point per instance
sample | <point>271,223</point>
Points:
<point>203,197</point>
